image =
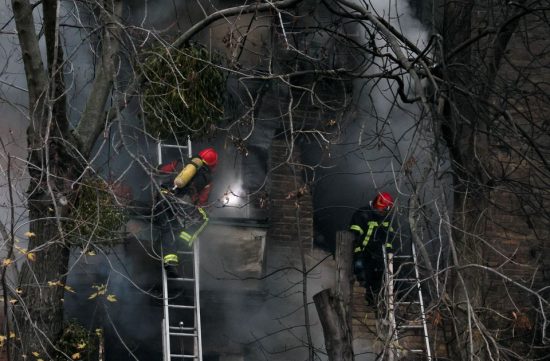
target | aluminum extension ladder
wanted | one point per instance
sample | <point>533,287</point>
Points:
<point>405,300</point>
<point>181,323</point>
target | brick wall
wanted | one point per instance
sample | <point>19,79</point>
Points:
<point>518,229</point>
<point>291,208</point>
<point>515,234</point>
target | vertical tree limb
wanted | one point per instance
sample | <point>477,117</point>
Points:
<point>93,119</point>
<point>334,305</point>
<point>344,275</point>
<point>333,316</point>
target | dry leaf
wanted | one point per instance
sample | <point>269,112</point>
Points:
<point>81,345</point>
<point>56,283</point>
<point>75,356</point>
<point>35,354</point>
<point>101,289</point>
<point>12,334</point>
<point>22,250</point>
<point>60,284</point>
<point>111,298</point>
<point>521,321</point>
<point>92,296</point>
<point>2,340</point>
<point>91,253</point>
<point>31,256</point>
<point>6,262</point>
<point>437,319</point>
<point>13,301</point>
<point>29,234</point>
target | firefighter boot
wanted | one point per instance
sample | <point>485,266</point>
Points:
<point>170,263</point>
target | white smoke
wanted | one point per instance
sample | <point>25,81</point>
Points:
<point>381,129</point>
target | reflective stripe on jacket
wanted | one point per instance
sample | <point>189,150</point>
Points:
<point>367,224</point>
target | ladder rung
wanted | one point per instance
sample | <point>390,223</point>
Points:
<point>182,279</point>
<point>177,328</point>
<point>410,326</point>
<point>407,303</point>
<point>173,355</point>
<point>181,306</point>
<point>183,334</point>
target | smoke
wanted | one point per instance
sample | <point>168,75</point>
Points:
<point>379,136</point>
<point>251,308</point>
<point>132,271</point>
<point>13,122</point>
<point>247,315</point>
<point>131,323</point>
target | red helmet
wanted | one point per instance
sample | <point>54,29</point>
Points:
<point>383,201</point>
<point>209,156</point>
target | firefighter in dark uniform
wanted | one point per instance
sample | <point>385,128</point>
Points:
<point>372,228</point>
<point>190,182</point>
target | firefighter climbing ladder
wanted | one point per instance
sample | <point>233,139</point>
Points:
<point>407,281</point>
<point>181,324</point>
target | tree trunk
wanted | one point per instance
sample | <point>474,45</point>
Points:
<point>334,306</point>
<point>334,319</point>
<point>55,160</point>
<point>39,315</point>
<point>344,274</point>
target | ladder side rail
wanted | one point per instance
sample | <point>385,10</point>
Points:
<point>196,258</point>
<point>388,263</point>
<point>166,324</point>
<point>165,320</point>
<point>421,302</point>
<point>165,354</point>
<point>159,153</point>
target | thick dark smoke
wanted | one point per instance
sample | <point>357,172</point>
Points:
<point>367,160</point>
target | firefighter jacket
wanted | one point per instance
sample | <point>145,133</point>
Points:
<point>198,189</point>
<point>372,230</point>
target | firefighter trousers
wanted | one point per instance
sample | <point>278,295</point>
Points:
<point>176,238</point>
